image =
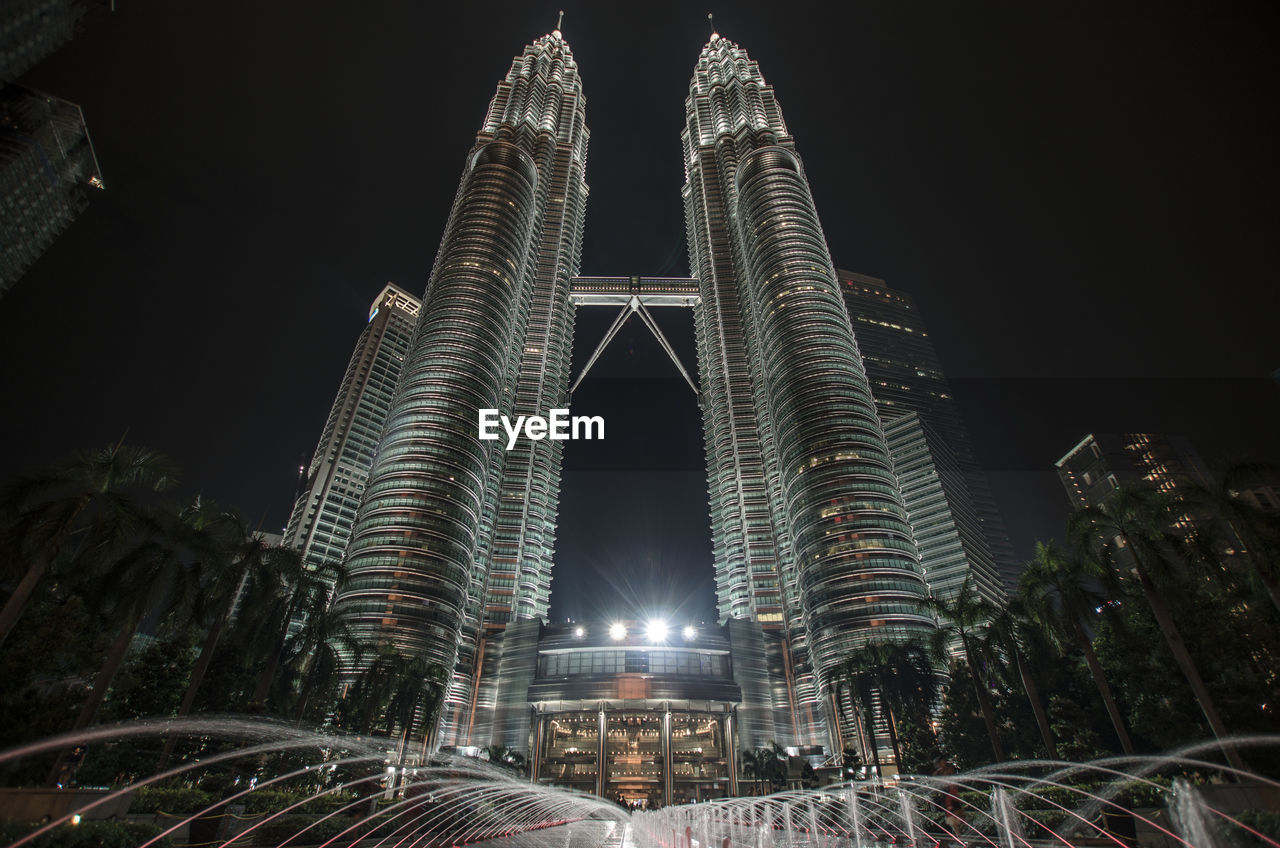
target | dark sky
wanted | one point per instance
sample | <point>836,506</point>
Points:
<point>1081,197</point>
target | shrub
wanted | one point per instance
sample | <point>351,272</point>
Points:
<point>169,799</point>
<point>89,834</point>
<point>1266,822</point>
<point>286,827</point>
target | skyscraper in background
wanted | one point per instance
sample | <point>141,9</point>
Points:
<point>1102,462</point>
<point>944,523</point>
<point>809,533</point>
<point>906,376</point>
<point>320,524</point>
<point>32,29</point>
<point>454,534</point>
<point>47,169</point>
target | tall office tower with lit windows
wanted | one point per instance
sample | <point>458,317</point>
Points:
<point>454,535</point>
<point>809,533</point>
<point>906,376</point>
<point>320,524</point>
<point>1102,462</point>
<point>944,522</point>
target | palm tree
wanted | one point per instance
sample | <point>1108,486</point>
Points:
<point>754,764</point>
<point>1135,529</point>
<point>861,671</point>
<point>1012,630</point>
<point>317,653</point>
<point>966,618</point>
<point>145,578</point>
<point>1055,590</point>
<point>395,691</point>
<point>236,567</point>
<point>309,597</point>
<point>85,499</point>
<point>765,765</point>
<point>904,677</point>
<point>910,685</point>
<point>416,698</point>
<point>1257,529</point>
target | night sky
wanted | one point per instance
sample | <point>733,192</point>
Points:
<point>1081,197</point>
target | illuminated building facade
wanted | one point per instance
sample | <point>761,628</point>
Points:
<point>809,532</point>
<point>634,711</point>
<point>324,512</point>
<point>450,553</point>
<point>454,535</point>
<point>1101,462</point>
<point>944,523</point>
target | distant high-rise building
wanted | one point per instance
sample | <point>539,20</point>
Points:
<point>320,524</point>
<point>946,527</point>
<point>906,376</point>
<point>47,167</point>
<point>32,29</point>
<point>1102,462</point>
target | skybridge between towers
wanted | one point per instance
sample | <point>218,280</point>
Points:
<point>634,295</point>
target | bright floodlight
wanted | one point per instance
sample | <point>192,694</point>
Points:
<point>579,632</point>
<point>656,631</point>
<point>617,631</point>
<point>690,632</point>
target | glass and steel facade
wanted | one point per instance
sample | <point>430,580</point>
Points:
<point>944,523</point>
<point>906,375</point>
<point>626,717</point>
<point>320,524</point>
<point>809,532</point>
<point>453,537</point>
<point>451,550</point>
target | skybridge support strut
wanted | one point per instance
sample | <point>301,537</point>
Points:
<point>647,317</point>
<point>635,305</point>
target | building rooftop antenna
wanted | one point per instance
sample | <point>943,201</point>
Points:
<point>560,19</point>
<point>711,22</point>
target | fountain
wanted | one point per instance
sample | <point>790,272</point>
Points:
<point>1191,816</point>
<point>284,786</point>
<point>1008,825</point>
<point>344,793</point>
<point>1008,805</point>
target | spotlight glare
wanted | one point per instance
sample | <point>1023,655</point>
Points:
<point>690,632</point>
<point>579,632</point>
<point>617,631</point>
<point>656,631</point>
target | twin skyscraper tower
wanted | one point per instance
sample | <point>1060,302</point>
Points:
<point>454,535</point>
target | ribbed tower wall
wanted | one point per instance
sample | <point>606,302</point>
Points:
<point>807,519</point>
<point>430,532</point>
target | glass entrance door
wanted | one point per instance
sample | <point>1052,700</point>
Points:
<point>633,757</point>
